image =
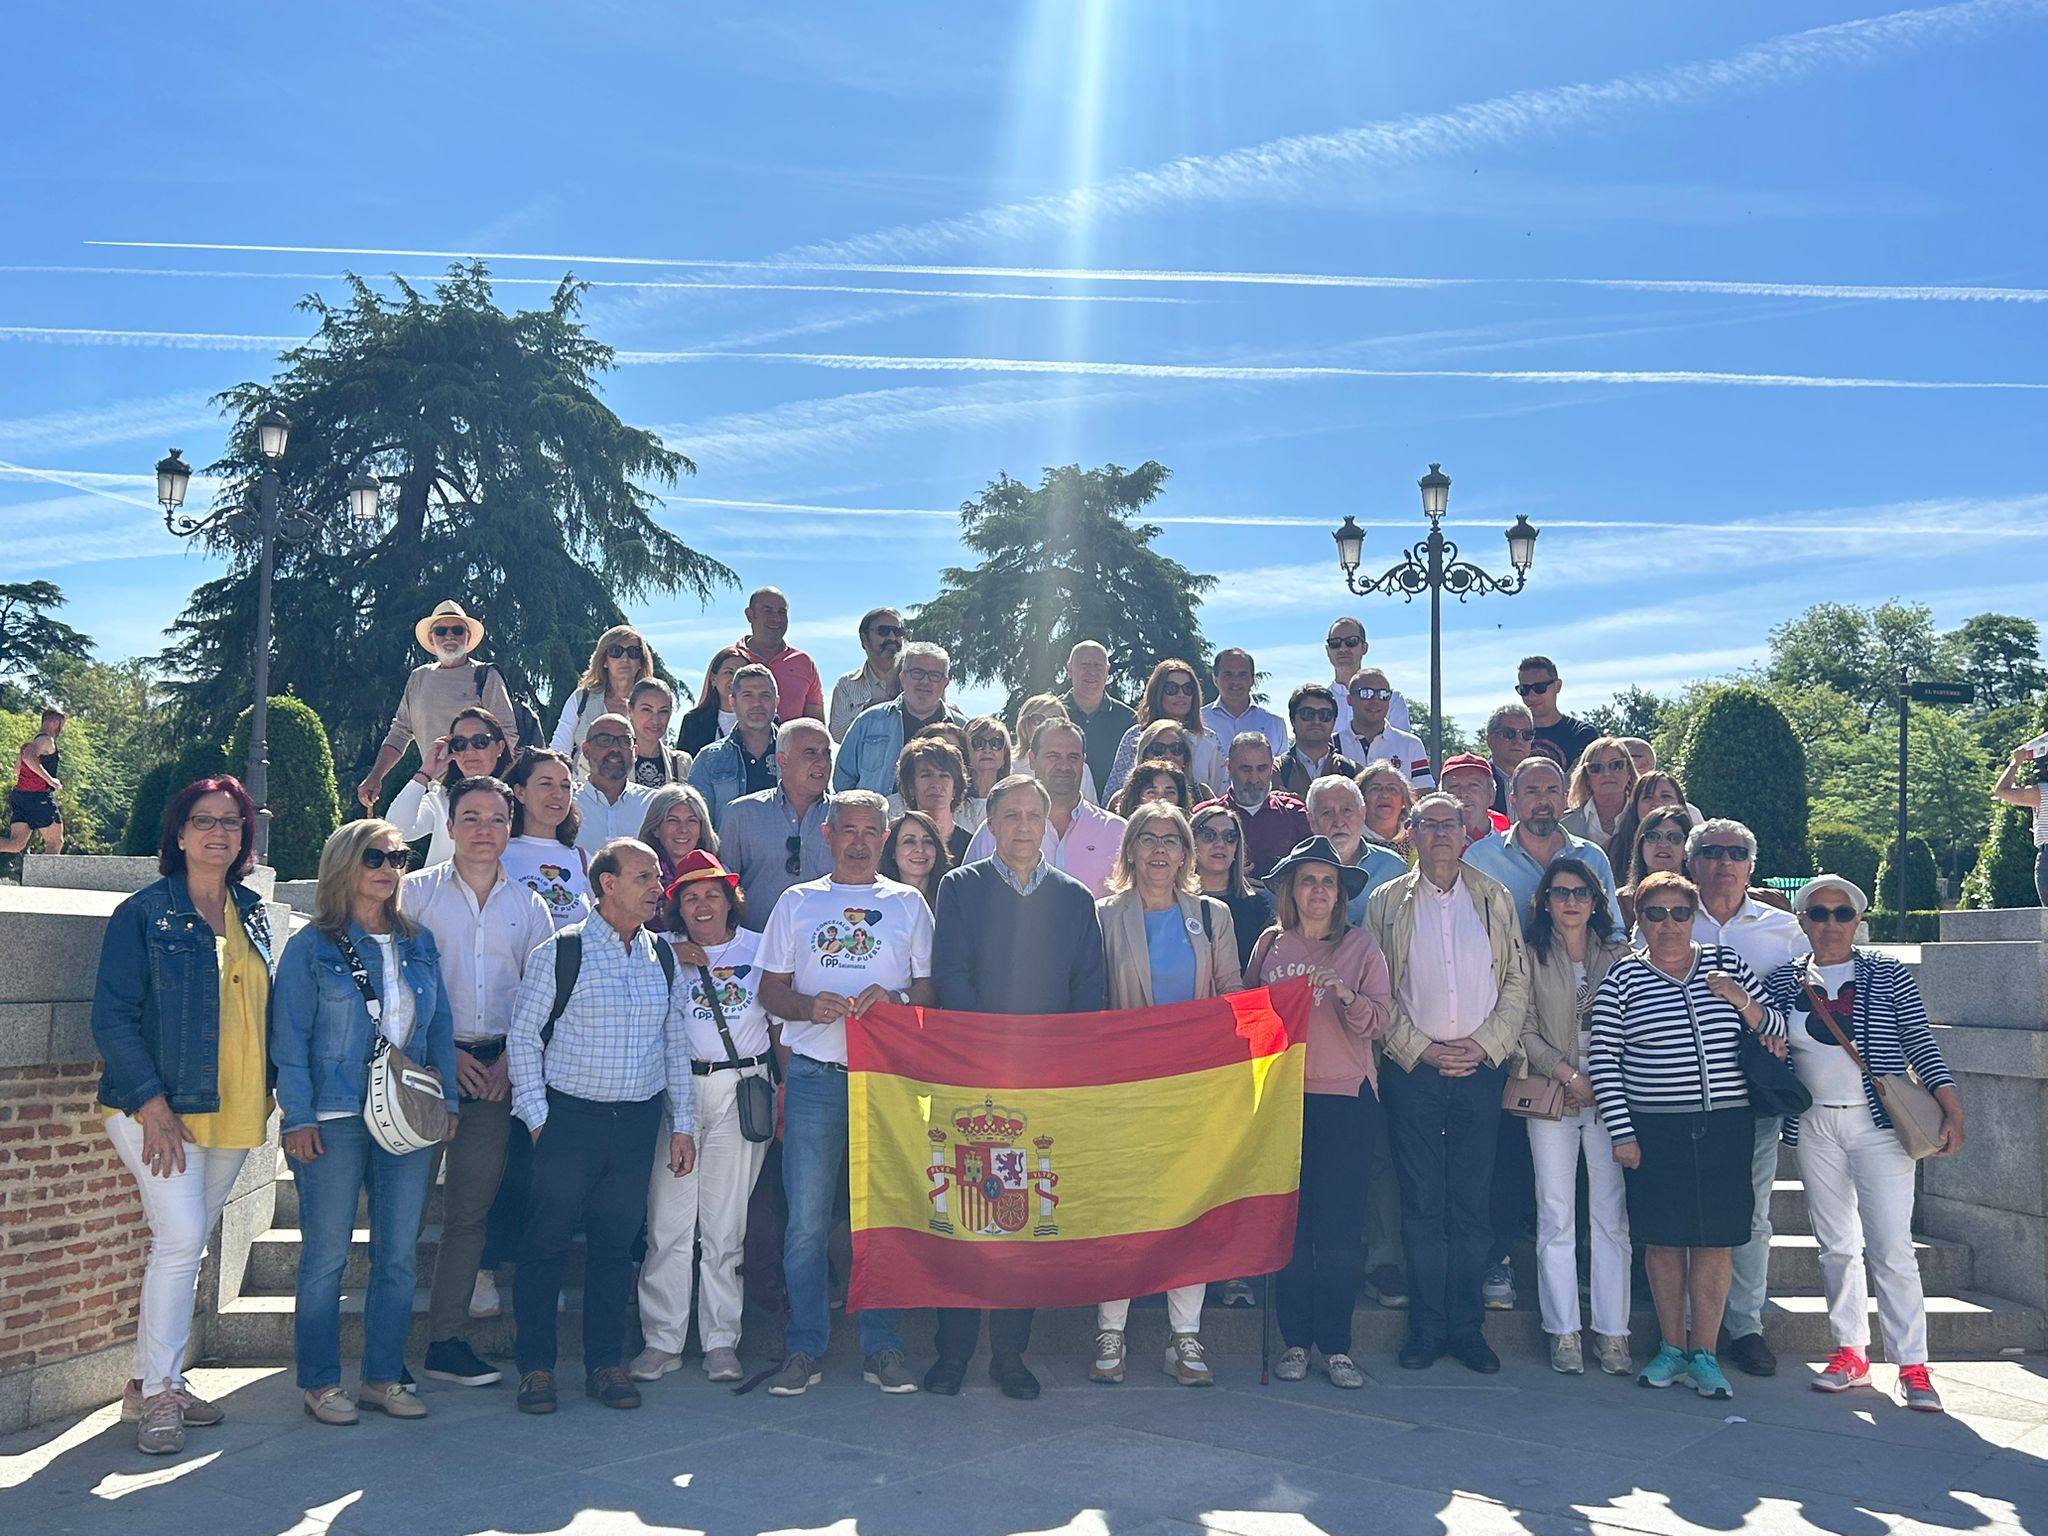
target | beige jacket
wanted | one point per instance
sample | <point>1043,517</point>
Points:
<point>1390,914</point>
<point>1551,1029</point>
<point>1130,964</point>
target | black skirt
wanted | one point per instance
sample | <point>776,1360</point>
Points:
<point>1693,1189</point>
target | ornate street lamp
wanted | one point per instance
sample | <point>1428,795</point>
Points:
<point>1432,565</point>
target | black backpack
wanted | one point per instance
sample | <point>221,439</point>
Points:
<point>525,721</point>
<point>569,965</point>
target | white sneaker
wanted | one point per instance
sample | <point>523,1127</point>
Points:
<point>1611,1350</point>
<point>1108,1365</point>
<point>483,1296</point>
<point>1567,1354</point>
<point>1185,1362</point>
<point>723,1364</point>
<point>652,1364</point>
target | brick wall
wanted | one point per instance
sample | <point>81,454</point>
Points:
<point>72,1238</point>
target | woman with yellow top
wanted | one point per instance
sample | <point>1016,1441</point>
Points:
<point>178,1016</point>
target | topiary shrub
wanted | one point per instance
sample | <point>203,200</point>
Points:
<point>1919,927</point>
<point>198,760</point>
<point>305,806</point>
<point>2003,875</point>
<point>1741,760</point>
<point>1923,882</point>
<point>1840,849</point>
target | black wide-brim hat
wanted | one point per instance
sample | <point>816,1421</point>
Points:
<point>1318,850</point>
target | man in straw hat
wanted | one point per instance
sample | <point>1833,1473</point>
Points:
<point>436,692</point>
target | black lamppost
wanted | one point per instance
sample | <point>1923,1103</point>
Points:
<point>1433,566</point>
<point>270,520</point>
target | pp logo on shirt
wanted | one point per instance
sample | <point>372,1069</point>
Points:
<point>847,939</point>
<point>726,982</point>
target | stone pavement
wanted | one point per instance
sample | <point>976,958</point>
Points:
<point>1411,1455</point>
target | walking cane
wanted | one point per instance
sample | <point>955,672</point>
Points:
<point>1265,1326</point>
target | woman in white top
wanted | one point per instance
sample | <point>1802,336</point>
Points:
<point>1601,785</point>
<point>542,854</point>
<point>475,745</point>
<point>2012,792</point>
<point>620,659</point>
<point>718,983</point>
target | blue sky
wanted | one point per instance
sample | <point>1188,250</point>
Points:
<point>1743,305</point>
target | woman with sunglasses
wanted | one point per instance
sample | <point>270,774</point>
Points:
<point>677,824</point>
<point>620,659</point>
<point>1657,848</point>
<point>989,750</point>
<point>1858,1178</point>
<point>475,747</point>
<point>178,1017</point>
<point>915,854</point>
<point>714,714</point>
<point>1573,944</point>
<point>323,1026</point>
<point>1665,1060</point>
<point>1166,739</point>
<point>1653,788</point>
<point>1173,692</point>
<point>1598,797</point>
<point>1220,869</point>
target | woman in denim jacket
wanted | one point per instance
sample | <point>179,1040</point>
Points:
<point>178,1017</point>
<point>321,1040</point>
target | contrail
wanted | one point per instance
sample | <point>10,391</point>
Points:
<point>187,341</point>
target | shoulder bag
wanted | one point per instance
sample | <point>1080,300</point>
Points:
<point>1915,1115</point>
<point>754,1097</point>
<point>406,1108</point>
<point>1533,1098</point>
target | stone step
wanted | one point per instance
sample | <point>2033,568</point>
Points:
<point>287,1211</point>
<point>1945,1268</point>
<point>1788,1207</point>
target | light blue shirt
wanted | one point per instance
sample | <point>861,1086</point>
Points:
<point>1380,864</point>
<point>1172,956</point>
<point>1502,856</point>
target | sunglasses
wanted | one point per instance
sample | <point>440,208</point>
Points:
<point>1675,838</point>
<point>1825,914</point>
<point>1225,835</point>
<point>608,739</point>
<point>1170,748</point>
<point>615,652</point>
<point>1372,693</point>
<point>1679,914</point>
<point>476,743</point>
<point>207,823</point>
<point>1345,642</point>
<point>1570,893</point>
<point>887,631</point>
<point>377,858</point>
<point>1734,853</point>
<point>451,631</point>
<point>1605,768</point>
<point>794,845</point>
<point>1513,733</point>
<point>1322,716</point>
<point>986,743</point>
<point>1530,690</point>
<point>1172,687</point>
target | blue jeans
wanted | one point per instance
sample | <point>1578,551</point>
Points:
<point>813,1157</point>
<point>328,1187</point>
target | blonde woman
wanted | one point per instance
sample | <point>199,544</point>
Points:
<point>322,1034</point>
<point>620,659</point>
<point>1598,798</point>
<point>1164,942</point>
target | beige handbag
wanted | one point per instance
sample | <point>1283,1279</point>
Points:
<point>1533,1098</point>
<point>1914,1114</point>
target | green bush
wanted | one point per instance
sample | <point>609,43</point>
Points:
<point>2003,875</point>
<point>1920,927</point>
<point>1923,884</point>
<point>157,787</point>
<point>1742,760</point>
<point>305,806</point>
<point>1840,849</point>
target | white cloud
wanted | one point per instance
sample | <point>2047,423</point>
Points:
<point>122,421</point>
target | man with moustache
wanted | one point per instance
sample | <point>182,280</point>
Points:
<point>874,681</point>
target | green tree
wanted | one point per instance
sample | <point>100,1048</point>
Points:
<point>126,707</point>
<point>1631,712</point>
<point>1062,563</point>
<point>1947,775</point>
<point>1456,738</point>
<point>1740,759</point>
<point>1923,881</point>
<point>2000,654</point>
<point>1841,849</point>
<point>32,642</point>
<point>305,806</point>
<point>1855,651</point>
<point>2003,875</point>
<point>509,485</point>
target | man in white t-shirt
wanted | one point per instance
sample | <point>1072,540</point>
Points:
<point>833,948</point>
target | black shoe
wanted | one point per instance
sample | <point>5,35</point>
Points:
<point>612,1387</point>
<point>945,1376</point>
<point>453,1360</point>
<point>1751,1355</point>
<point>537,1392</point>
<point>1419,1354</point>
<point>1011,1374</point>
<point>1475,1354</point>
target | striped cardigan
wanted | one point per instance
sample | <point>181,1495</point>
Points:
<point>1889,1027</point>
<point>1643,1052</point>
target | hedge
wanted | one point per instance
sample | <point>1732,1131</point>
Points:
<point>2003,875</point>
<point>1840,849</point>
<point>305,806</point>
<point>1921,927</point>
<point>1742,760</point>
<point>1923,881</point>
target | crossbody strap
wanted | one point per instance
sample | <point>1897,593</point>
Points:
<point>361,977</point>
<point>1826,1015</point>
<point>732,1055</point>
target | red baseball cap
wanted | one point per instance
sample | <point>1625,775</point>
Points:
<point>1465,760</point>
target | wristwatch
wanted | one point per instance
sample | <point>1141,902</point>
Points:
<point>902,997</point>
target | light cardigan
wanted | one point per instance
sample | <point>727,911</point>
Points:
<point>1552,1033</point>
<point>1129,959</point>
<point>1391,917</point>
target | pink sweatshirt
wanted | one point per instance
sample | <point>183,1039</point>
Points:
<point>1340,1054</point>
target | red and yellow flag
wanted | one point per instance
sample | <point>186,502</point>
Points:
<point>1018,1161</point>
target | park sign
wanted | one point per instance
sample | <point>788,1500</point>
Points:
<point>1942,693</point>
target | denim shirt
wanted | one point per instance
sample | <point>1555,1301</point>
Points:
<point>719,773</point>
<point>321,1034</point>
<point>867,756</point>
<point>156,1005</point>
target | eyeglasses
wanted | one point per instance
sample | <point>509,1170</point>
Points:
<point>608,739</point>
<point>475,743</point>
<point>451,631</point>
<point>1530,690</point>
<point>615,652</point>
<point>1682,914</point>
<point>887,631</point>
<point>1571,893</point>
<point>1605,768</point>
<point>924,674</point>
<point>1674,837</point>
<point>1152,842</point>
<point>986,743</point>
<point>1171,687</point>
<point>1170,748</point>
<point>377,858</point>
<point>205,823</point>
<point>1512,733</point>
<point>1344,642</point>
<point>1216,834</point>
<point>1320,716</point>
<point>794,844</point>
<point>1439,828</point>
<point>1734,853</point>
<point>1372,693</point>
<point>1838,914</point>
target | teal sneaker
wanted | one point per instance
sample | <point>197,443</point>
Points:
<point>1667,1368</point>
<point>1707,1379</point>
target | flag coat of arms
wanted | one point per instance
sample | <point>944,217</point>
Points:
<point>1058,1160</point>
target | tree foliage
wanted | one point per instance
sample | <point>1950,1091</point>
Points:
<point>305,806</point>
<point>1923,880</point>
<point>1631,712</point>
<point>509,486</point>
<point>1855,651</point>
<point>2003,875</point>
<point>2000,655</point>
<point>1059,564</point>
<point>79,758</point>
<point>32,643</point>
<point>1852,853</point>
<point>196,760</point>
<point>129,715</point>
<point>1740,759</point>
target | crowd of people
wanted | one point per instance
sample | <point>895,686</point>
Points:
<point>623,943</point>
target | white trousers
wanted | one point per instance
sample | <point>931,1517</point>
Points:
<point>181,1211</point>
<point>1859,1192</point>
<point>1183,1310</point>
<point>1555,1147</point>
<point>707,1206</point>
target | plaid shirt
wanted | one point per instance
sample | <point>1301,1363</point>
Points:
<point>615,1042</point>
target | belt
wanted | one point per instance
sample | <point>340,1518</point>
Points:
<point>829,1066</point>
<point>485,1051</point>
<point>706,1068</point>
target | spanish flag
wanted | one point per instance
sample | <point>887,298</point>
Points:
<point>1059,1160</point>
